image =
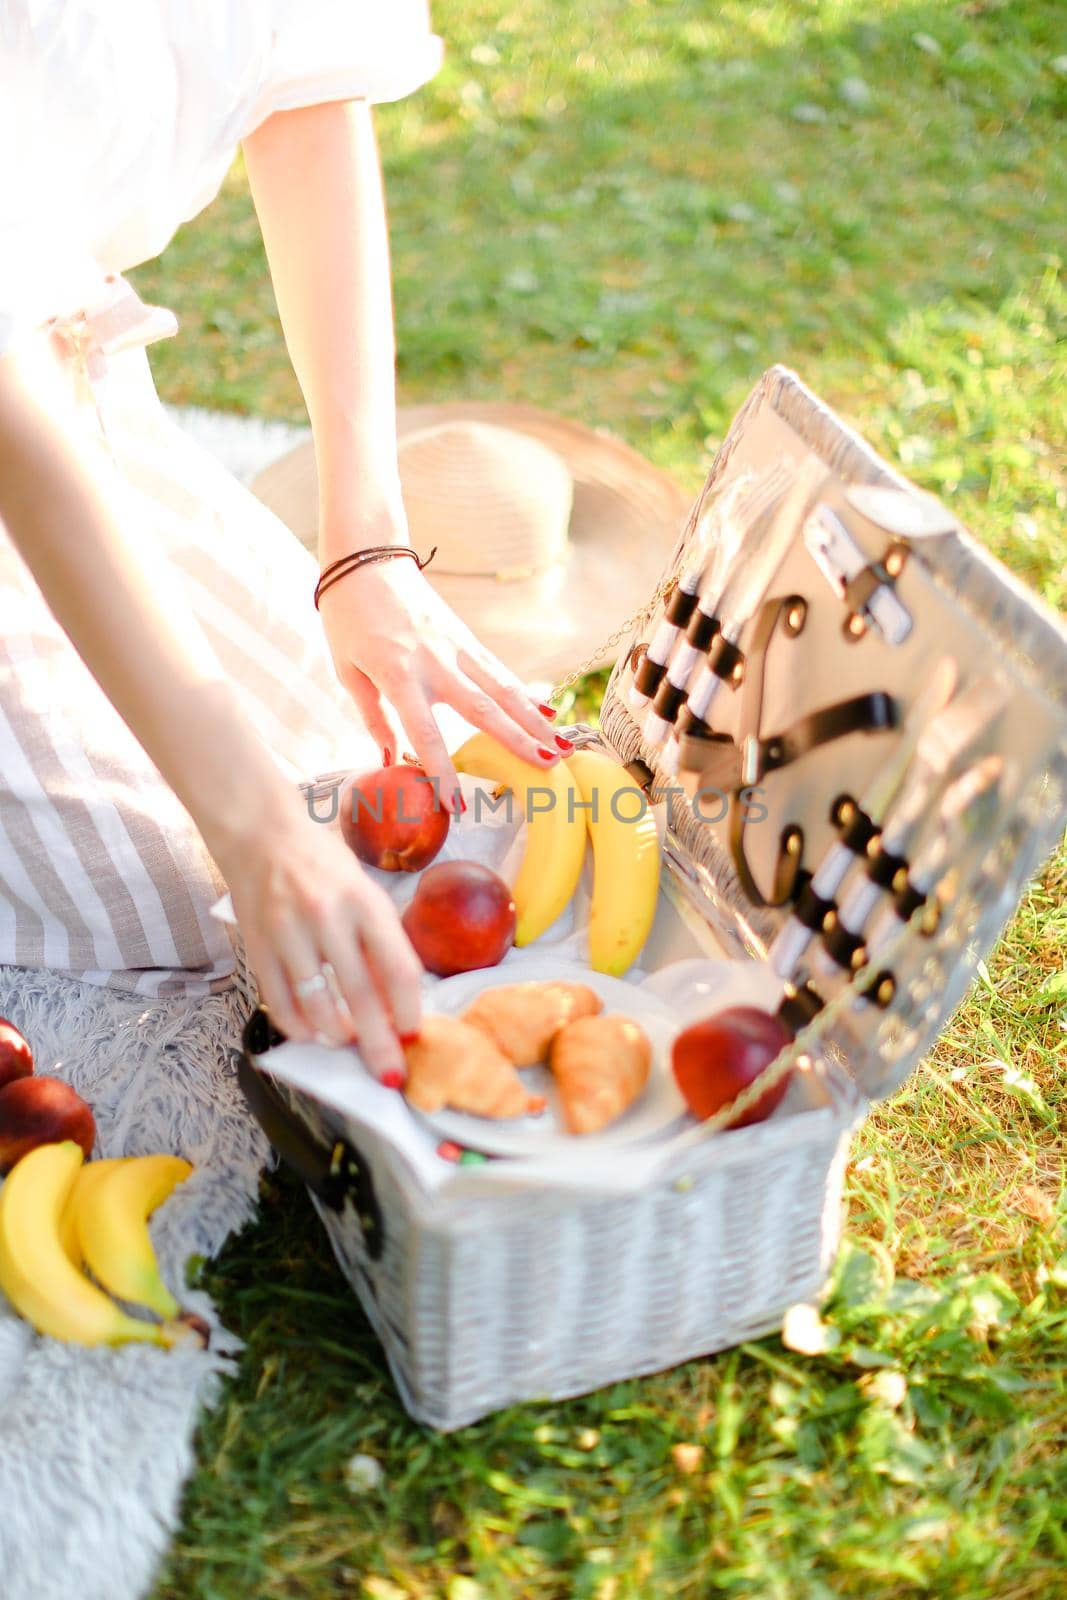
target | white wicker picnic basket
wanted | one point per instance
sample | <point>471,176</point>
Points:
<point>483,1297</point>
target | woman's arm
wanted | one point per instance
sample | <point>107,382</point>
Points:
<point>298,892</point>
<point>58,508</point>
<point>317,186</point>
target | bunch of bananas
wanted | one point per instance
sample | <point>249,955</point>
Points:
<point>584,801</point>
<point>59,1215</point>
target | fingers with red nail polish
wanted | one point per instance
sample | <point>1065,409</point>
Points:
<point>564,744</point>
<point>547,711</point>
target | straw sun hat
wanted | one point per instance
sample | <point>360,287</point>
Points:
<point>548,534</point>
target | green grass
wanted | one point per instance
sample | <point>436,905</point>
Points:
<point>626,212</point>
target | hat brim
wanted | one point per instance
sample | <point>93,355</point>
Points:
<point>625,523</point>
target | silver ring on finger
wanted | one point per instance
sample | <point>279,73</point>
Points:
<point>318,983</point>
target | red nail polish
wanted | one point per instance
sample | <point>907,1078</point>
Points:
<point>393,1079</point>
<point>547,711</point>
<point>546,755</point>
<point>408,1038</point>
<point>387,757</point>
<point>564,744</point>
<point>448,1151</point>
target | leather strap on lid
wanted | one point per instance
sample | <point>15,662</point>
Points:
<point>878,575</point>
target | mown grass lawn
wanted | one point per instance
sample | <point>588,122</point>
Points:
<point>626,211</point>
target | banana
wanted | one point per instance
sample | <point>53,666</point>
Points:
<point>555,836</point>
<point>111,1218</point>
<point>87,1178</point>
<point>35,1272</point>
<point>626,862</point>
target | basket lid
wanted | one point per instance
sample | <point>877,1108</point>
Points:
<point>857,721</point>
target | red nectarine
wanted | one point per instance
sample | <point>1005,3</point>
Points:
<point>393,818</point>
<point>462,916</point>
<point>43,1110</point>
<point>716,1058</point>
<point>16,1057</point>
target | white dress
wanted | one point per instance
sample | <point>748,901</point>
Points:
<point>118,121</point>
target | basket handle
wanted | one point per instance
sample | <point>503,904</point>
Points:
<point>335,1172</point>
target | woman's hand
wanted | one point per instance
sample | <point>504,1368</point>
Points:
<point>392,636</point>
<point>303,900</point>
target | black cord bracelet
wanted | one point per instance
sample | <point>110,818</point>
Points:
<point>364,558</point>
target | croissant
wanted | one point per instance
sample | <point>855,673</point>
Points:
<point>521,1018</point>
<point>453,1064</point>
<point>601,1065</point>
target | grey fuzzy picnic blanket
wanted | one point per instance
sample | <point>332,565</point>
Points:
<point>95,1445</point>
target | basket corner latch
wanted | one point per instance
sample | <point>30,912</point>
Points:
<point>335,1171</point>
<point>349,1178</point>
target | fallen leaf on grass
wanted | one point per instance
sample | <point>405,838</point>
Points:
<point>922,1529</point>
<point>1023,1088</point>
<point>992,1306</point>
<point>382,1589</point>
<point>363,1473</point>
<point>855,92</point>
<point>888,1387</point>
<point>461,1588</point>
<point>1032,1202</point>
<point>687,1458</point>
<point>804,1330</point>
<point>1056,1274</point>
<point>807,111</point>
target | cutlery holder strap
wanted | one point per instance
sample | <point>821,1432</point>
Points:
<point>754,756</point>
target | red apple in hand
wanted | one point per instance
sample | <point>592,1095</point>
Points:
<point>715,1059</point>
<point>462,917</point>
<point>16,1057</point>
<point>37,1111</point>
<point>393,818</point>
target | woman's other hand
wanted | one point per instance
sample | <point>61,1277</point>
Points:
<point>391,636</point>
<point>299,894</point>
<point>303,901</point>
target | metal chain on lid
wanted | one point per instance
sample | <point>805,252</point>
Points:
<point>637,620</point>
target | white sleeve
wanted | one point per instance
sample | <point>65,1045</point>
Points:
<point>46,268</point>
<point>374,50</point>
<point>41,276</point>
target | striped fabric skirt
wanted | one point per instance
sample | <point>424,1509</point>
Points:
<point>103,875</point>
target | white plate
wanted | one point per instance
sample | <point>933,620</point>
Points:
<point>657,1108</point>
